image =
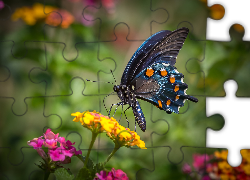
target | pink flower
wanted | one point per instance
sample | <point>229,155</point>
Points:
<point>50,143</point>
<point>1,4</point>
<point>119,174</point>
<point>186,168</point>
<point>108,4</point>
<point>50,135</point>
<point>112,175</point>
<point>206,177</point>
<point>199,161</point>
<point>72,148</point>
<point>59,154</point>
<point>55,153</point>
<point>36,143</point>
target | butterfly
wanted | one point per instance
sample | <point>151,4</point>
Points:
<point>150,75</point>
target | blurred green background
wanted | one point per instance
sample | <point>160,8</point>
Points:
<point>48,52</point>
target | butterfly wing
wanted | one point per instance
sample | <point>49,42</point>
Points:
<point>162,46</point>
<point>162,85</point>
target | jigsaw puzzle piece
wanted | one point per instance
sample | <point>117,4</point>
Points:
<point>27,20</point>
<point>218,30</point>
<point>16,82</point>
<point>16,131</point>
<point>181,129</point>
<point>230,107</point>
<point>59,72</point>
<point>223,61</point>
<point>151,16</point>
<point>133,17</point>
<point>164,169</point>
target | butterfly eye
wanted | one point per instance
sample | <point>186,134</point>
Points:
<point>116,88</point>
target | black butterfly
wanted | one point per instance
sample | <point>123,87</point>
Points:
<point>150,75</point>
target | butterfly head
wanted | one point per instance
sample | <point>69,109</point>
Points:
<point>116,88</point>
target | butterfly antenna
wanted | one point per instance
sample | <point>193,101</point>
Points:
<point>99,81</point>
<point>113,75</point>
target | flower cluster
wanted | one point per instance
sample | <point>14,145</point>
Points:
<point>216,166</point>
<point>36,13</point>
<point>113,174</point>
<point>99,123</point>
<point>124,137</point>
<point>61,153</point>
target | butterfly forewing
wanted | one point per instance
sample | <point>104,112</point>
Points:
<point>164,46</point>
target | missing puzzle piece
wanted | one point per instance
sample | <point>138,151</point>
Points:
<point>234,135</point>
<point>236,12</point>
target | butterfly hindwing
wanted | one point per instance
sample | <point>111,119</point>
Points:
<point>162,85</point>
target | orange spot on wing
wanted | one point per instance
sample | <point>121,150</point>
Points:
<point>176,88</point>
<point>160,104</point>
<point>177,97</point>
<point>172,79</point>
<point>164,72</point>
<point>168,102</point>
<point>149,72</point>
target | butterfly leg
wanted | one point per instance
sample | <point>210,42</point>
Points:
<point>118,104</point>
<point>126,115</point>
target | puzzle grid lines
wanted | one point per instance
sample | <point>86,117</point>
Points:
<point>46,56</point>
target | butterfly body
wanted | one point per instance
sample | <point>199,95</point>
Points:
<point>151,76</point>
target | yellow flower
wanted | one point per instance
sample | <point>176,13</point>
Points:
<point>246,154</point>
<point>246,169</point>
<point>124,137</point>
<point>221,155</point>
<point>38,12</point>
<point>94,121</point>
<point>225,167</point>
<point>99,123</point>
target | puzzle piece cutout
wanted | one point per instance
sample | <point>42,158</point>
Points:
<point>232,108</point>
<point>16,82</point>
<point>162,164</point>
<point>217,30</point>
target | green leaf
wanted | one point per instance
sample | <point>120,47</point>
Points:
<point>63,174</point>
<point>84,174</point>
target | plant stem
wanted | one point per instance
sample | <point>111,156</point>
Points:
<point>94,135</point>
<point>112,153</point>
<point>46,175</point>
